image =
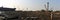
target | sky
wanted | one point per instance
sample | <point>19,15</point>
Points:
<point>30,4</point>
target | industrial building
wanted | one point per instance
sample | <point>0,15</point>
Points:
<point>7,9</point>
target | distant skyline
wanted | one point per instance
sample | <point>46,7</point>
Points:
<point>30,4</point>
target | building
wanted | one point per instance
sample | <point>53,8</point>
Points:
<point>7,9</point>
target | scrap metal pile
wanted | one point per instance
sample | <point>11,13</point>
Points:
<point>28,15</point>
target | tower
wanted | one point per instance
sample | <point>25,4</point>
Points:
<point>27,8</point>
<point>47,6</point>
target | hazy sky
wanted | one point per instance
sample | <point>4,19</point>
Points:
<point>30,4</point>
